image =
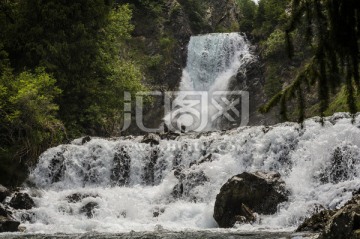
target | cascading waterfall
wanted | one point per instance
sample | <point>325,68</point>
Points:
<point>131,185</point>
<point>123,184</point>
<point>213,61</point>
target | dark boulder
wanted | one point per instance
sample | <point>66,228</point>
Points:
<point>345,223</point>
<point>4,192</point>
<point>152,139</point>
<point>89,209</point>
<point>8,224</point>
<point>259,192</point>
<point>21,201</point>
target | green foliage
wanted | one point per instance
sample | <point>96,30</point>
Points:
<point>247,10</point>
<point>274,45</point>
<point>333,32</point>
<point>270,14</point>
<point>28,122</point>
<point>82,43</point>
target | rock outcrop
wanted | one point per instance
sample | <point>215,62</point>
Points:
<point>21,201</point>
<point>246,194</point>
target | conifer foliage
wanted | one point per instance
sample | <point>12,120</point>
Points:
<point>333,31</point>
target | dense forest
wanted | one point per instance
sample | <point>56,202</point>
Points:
<point>64,65</point>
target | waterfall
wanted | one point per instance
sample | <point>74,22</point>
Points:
<point>213,61</point>
<point>131,185</point>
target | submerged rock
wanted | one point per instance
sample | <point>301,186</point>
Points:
<point>77,197</point>
<point>21,201</point>
<point>246,193</point>
<point>187,182</point>
<point>89,209</point>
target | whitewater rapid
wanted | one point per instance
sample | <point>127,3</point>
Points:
<point>133,183</point>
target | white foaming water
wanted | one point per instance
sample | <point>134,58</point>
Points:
<point>213,61</point>
<point>133,183</point>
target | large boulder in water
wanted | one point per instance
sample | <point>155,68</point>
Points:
<point>246,193</point>
<point>21,201</point>
<point>4,192</point>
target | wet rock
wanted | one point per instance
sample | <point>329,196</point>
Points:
<point>260,192</point>
<point>4,192</point>
<point>57,167</point>
<point>8,224</point>
<point>158,211</point>
<point>345,223</point>
<point>21,201</point>
<point>317,222</point>
<point>149,169</point>
<point>338,224</point>
<point>170,135</point>
<point>120,173</point>
<point>187,182</point>
<point>77,197</point>
<point>28,217</point>
<point>85,139</point>
<point>342,165</point>
<point>5,212</point>
<point>206,158</point>
<point>89,209</point>
<point>152,139</point>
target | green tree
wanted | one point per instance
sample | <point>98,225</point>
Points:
<point>247,9</point>
<point>28,122</point>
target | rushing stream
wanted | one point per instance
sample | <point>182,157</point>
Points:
<point>133,185</point>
